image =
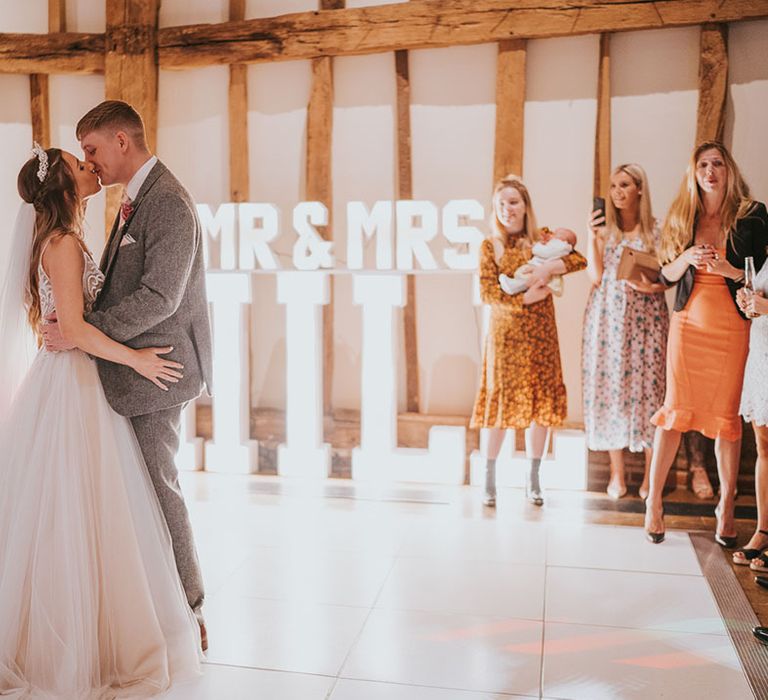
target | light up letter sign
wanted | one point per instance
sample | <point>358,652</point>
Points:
<point>303,294</point>
<point>378,458</point>
<point>231,449</point>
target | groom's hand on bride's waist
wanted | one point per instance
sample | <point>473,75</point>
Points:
<point>52,336</point>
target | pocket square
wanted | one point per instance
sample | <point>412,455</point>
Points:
<point>127,239</point>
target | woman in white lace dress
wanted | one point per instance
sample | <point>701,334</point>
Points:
<point>91,606</point>
<point>754,408</point>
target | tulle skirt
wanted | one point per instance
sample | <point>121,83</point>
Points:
<point>91,606</point>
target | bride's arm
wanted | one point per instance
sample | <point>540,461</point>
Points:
<point>63,263</point>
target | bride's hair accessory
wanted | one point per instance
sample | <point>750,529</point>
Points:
<point>42,156</point>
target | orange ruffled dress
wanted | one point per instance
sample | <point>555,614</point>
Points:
<point>706,353</point>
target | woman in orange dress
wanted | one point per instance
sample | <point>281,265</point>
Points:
<point>521,385</point>
<point>709,232</point>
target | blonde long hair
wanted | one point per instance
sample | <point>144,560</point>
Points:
<point>613,226</point>
<point>679,226</point>
<point>58,211</point>
<point>498,232</point>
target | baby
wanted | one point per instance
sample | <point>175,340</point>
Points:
<point>555,245</point>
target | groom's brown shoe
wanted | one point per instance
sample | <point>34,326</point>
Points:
<point>203,637</point>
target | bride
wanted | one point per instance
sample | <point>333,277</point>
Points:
<point>91,606</point>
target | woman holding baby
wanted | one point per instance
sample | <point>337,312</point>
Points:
<point>625,330</point>
<point>521,386</point>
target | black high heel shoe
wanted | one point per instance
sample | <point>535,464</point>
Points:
<point>726,541</point>
<point>655,537</point>
<point>743,556</point>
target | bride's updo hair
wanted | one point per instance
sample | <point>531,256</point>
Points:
<point>58,211</point>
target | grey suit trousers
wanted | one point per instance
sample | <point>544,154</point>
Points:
<point>158,437</point>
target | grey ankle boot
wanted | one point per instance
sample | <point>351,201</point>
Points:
<point>533,485</point>
<point>490,483</point>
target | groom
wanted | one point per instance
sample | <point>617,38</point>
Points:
<point>153,296</point>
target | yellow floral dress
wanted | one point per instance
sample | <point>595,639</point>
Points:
<point>522,380</point>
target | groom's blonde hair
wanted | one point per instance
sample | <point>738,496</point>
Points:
<point>114,116</point>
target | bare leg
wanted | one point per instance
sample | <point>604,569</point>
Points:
<point>761,476</point>
<point>643,492</point>
<point>696,444</point>
<point>535,440</point>
<point>492,439</point>
<point>665,444</point>
<point>617,484</point>
<point>727,453</point>
<point>759,540</point>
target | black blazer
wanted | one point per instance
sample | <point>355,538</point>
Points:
<point>749,239</point>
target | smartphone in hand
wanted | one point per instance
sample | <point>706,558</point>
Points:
<point>598,204</point>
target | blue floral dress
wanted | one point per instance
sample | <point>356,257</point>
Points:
<point>624,348</point>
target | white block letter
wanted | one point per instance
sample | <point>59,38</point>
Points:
<point>378,458</point>
<point>412,237</point>
<point>362,224</point>
<point>456,232</point>
<point>304,453</point>
<point>231,449</point>
<point>310,251</point>
<point>221,227</point>
<point>254,238</point>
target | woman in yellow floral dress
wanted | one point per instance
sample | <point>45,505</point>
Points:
<point>521,386</point>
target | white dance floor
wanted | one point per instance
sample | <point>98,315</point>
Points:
<point>331,591</point>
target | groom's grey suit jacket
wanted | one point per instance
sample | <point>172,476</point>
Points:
<point>154,295</point>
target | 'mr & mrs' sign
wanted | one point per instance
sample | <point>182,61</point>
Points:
<point>239,240</point>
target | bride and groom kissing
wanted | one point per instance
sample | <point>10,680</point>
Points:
<point>101,592</point>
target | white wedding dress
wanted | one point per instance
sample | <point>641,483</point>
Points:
<point>754,395</point>
<point>91,606</point>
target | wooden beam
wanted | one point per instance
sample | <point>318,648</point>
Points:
<point>713,83</point>
<point>41,113</point>
<point>340,32</point>
<point>405,191</point>
<point>430,24</point>
<point>602,173</point>
<point>510,108</point>
<point>131,70</point>
<point>57,16</point>
<point>239,176</point>
<point>52,53</point>
<point>319,188</point>
<point>38,82</point>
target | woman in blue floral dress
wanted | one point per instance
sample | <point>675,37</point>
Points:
<point>625,330</point>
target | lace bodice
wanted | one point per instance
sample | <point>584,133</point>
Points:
<point>93,280</point>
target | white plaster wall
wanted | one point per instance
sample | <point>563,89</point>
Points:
<point>746,125</point>
<point>654,103</point>
<point>559,128</point>
<point>654,79</point>
<point>452,130</point>
<point>278,94</point>
<point>15,142</point>
<point>71,96</point>
<point>364,162</point>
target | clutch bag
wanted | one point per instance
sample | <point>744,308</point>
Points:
<point>634,263</point>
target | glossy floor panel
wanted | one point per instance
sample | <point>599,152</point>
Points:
<point>343,592</point>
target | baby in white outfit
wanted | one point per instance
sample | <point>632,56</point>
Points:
<point>558,245</point>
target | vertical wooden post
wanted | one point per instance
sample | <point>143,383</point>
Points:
<point>405,191</point>
<point>38,82</point>
<point>319,184</point>
<point>713,83</point>
<point>239,180</point>
<point>602,174</point>
<point>131,68</point>
<point>510,108</point>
